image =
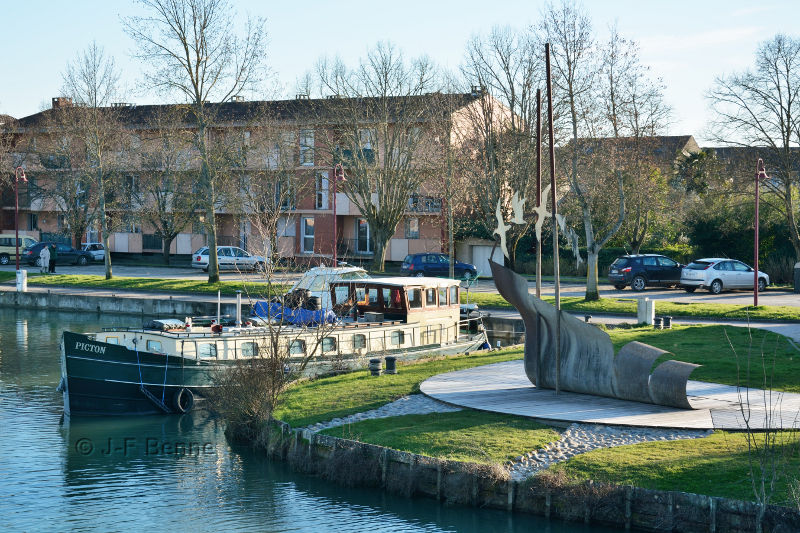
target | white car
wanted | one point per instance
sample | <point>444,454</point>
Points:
<point>95,249</point>
<point>229,258</point>
<point>717,274</point>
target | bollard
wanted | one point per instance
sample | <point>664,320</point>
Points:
<point>22,281</point>
<point>658,323</point>
<point>667,322</point>
<point>645,310</point>
<point>375,367</point>
<point>391,365</point>
<point>498,345</point>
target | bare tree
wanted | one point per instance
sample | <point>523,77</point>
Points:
<point>92,83</point>
<point>760,107</point>
<point>575,75</point>
<point>163,197</point>
<point>381,134</point>
<point>193,49</point>
<point>497,139</point>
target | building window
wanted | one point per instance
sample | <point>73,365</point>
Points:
<point>308,236</point>
<point>283,194</point>
<point>322,190</point>
<point>307,147</point>
<point>363,241</point>
<point>367,141</point>
<point>33,221</point>
<point>412,228</point>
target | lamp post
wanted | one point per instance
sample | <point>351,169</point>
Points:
<point>761,174</point>
<point>19,172</point>
<point>338,173</point>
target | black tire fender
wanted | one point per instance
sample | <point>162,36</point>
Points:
<point>183,400</point>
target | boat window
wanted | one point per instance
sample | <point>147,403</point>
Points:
<point>317,284</point>
<point>372,293</point>
<point>361,296</point>
<point>398,338</point>
<point>329,344</point>
<point>341,295</point>
<point>415,298</point>
<point>442,296</point>
<point>297,347</point>
<point>430,297</point>
<point>359,341</point>
<point>391,298</point>
<point>454,295</point>
<point>153,346</point>
<point>206,349</point>
<point>249,349</point>
<point>112,340</point>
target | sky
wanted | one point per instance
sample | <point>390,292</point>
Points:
<point>686,43</point>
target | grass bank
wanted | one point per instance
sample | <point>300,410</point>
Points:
<point>229,288</point>
<point>623,306</point>
<point>468,435</point>
<point>715,466</point>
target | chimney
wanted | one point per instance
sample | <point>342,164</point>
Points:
<point>62,101</point>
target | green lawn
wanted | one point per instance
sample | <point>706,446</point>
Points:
<point>716,466</point>
<point>7,276</point>
<point>724,359</point>
<point>628,307</point>
<point>467,435</point>
<point>258,290</point>
<point>323,399</point>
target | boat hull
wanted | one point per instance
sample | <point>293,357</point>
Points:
<point>108,379</point>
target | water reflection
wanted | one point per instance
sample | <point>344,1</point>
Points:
<point>170,472</point>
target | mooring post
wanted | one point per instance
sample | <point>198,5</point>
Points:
<point>554,212</point>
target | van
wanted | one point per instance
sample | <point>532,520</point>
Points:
<point>8,248</point>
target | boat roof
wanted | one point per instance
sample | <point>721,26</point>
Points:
<point>404,281</point>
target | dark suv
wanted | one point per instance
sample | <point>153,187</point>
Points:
<point>67,255</point>
<point>642,270</point>
<point>435,265</point>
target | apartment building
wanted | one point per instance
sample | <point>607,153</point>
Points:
<point>289,136</point>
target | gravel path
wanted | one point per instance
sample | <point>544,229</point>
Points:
<point>577,439</point>
<point>582,438</point>
<point>416,404</point>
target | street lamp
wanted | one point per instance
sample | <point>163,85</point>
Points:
<point>338,174</point>
<point>761,174</point>
<point>19,172</point>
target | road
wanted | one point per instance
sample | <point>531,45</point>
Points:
<point>772,296</point>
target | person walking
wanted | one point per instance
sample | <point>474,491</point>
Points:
<point>44,259</point>
<point>53,257</point>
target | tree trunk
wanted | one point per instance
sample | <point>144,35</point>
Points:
<point>380,240</point>
<point>592,292</point>
<point>104,228</point>
<point>166,243</point>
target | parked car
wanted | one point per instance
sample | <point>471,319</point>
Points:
<point>67,255</point>
<point>428,264</point>
<point>95,249</point>
<point>229,258</point>
<point>8,248</point>
<point>717,274</point>
<point>642,270</point>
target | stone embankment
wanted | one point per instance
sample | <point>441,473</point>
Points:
<point>577,439</point>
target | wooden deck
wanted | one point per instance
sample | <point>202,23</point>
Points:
<point>504,388</point>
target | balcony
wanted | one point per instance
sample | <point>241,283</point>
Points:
<point>424,204</point>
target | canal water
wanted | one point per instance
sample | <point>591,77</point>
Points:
<point>171,472</point>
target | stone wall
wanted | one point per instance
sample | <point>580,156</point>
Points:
<point>164,306</point>
<point>352,463</point>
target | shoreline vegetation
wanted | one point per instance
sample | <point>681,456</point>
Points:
<point>713,466</point>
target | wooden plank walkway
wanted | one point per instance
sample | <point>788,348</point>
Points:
<point>504,388</point>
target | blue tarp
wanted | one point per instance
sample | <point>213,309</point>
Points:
<point>297,317</point>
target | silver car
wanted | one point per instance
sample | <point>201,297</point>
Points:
<point>95,249</point>
<point>716,274</point>
<point>229,258</point>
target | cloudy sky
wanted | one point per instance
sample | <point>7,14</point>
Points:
<point>686,43</point>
